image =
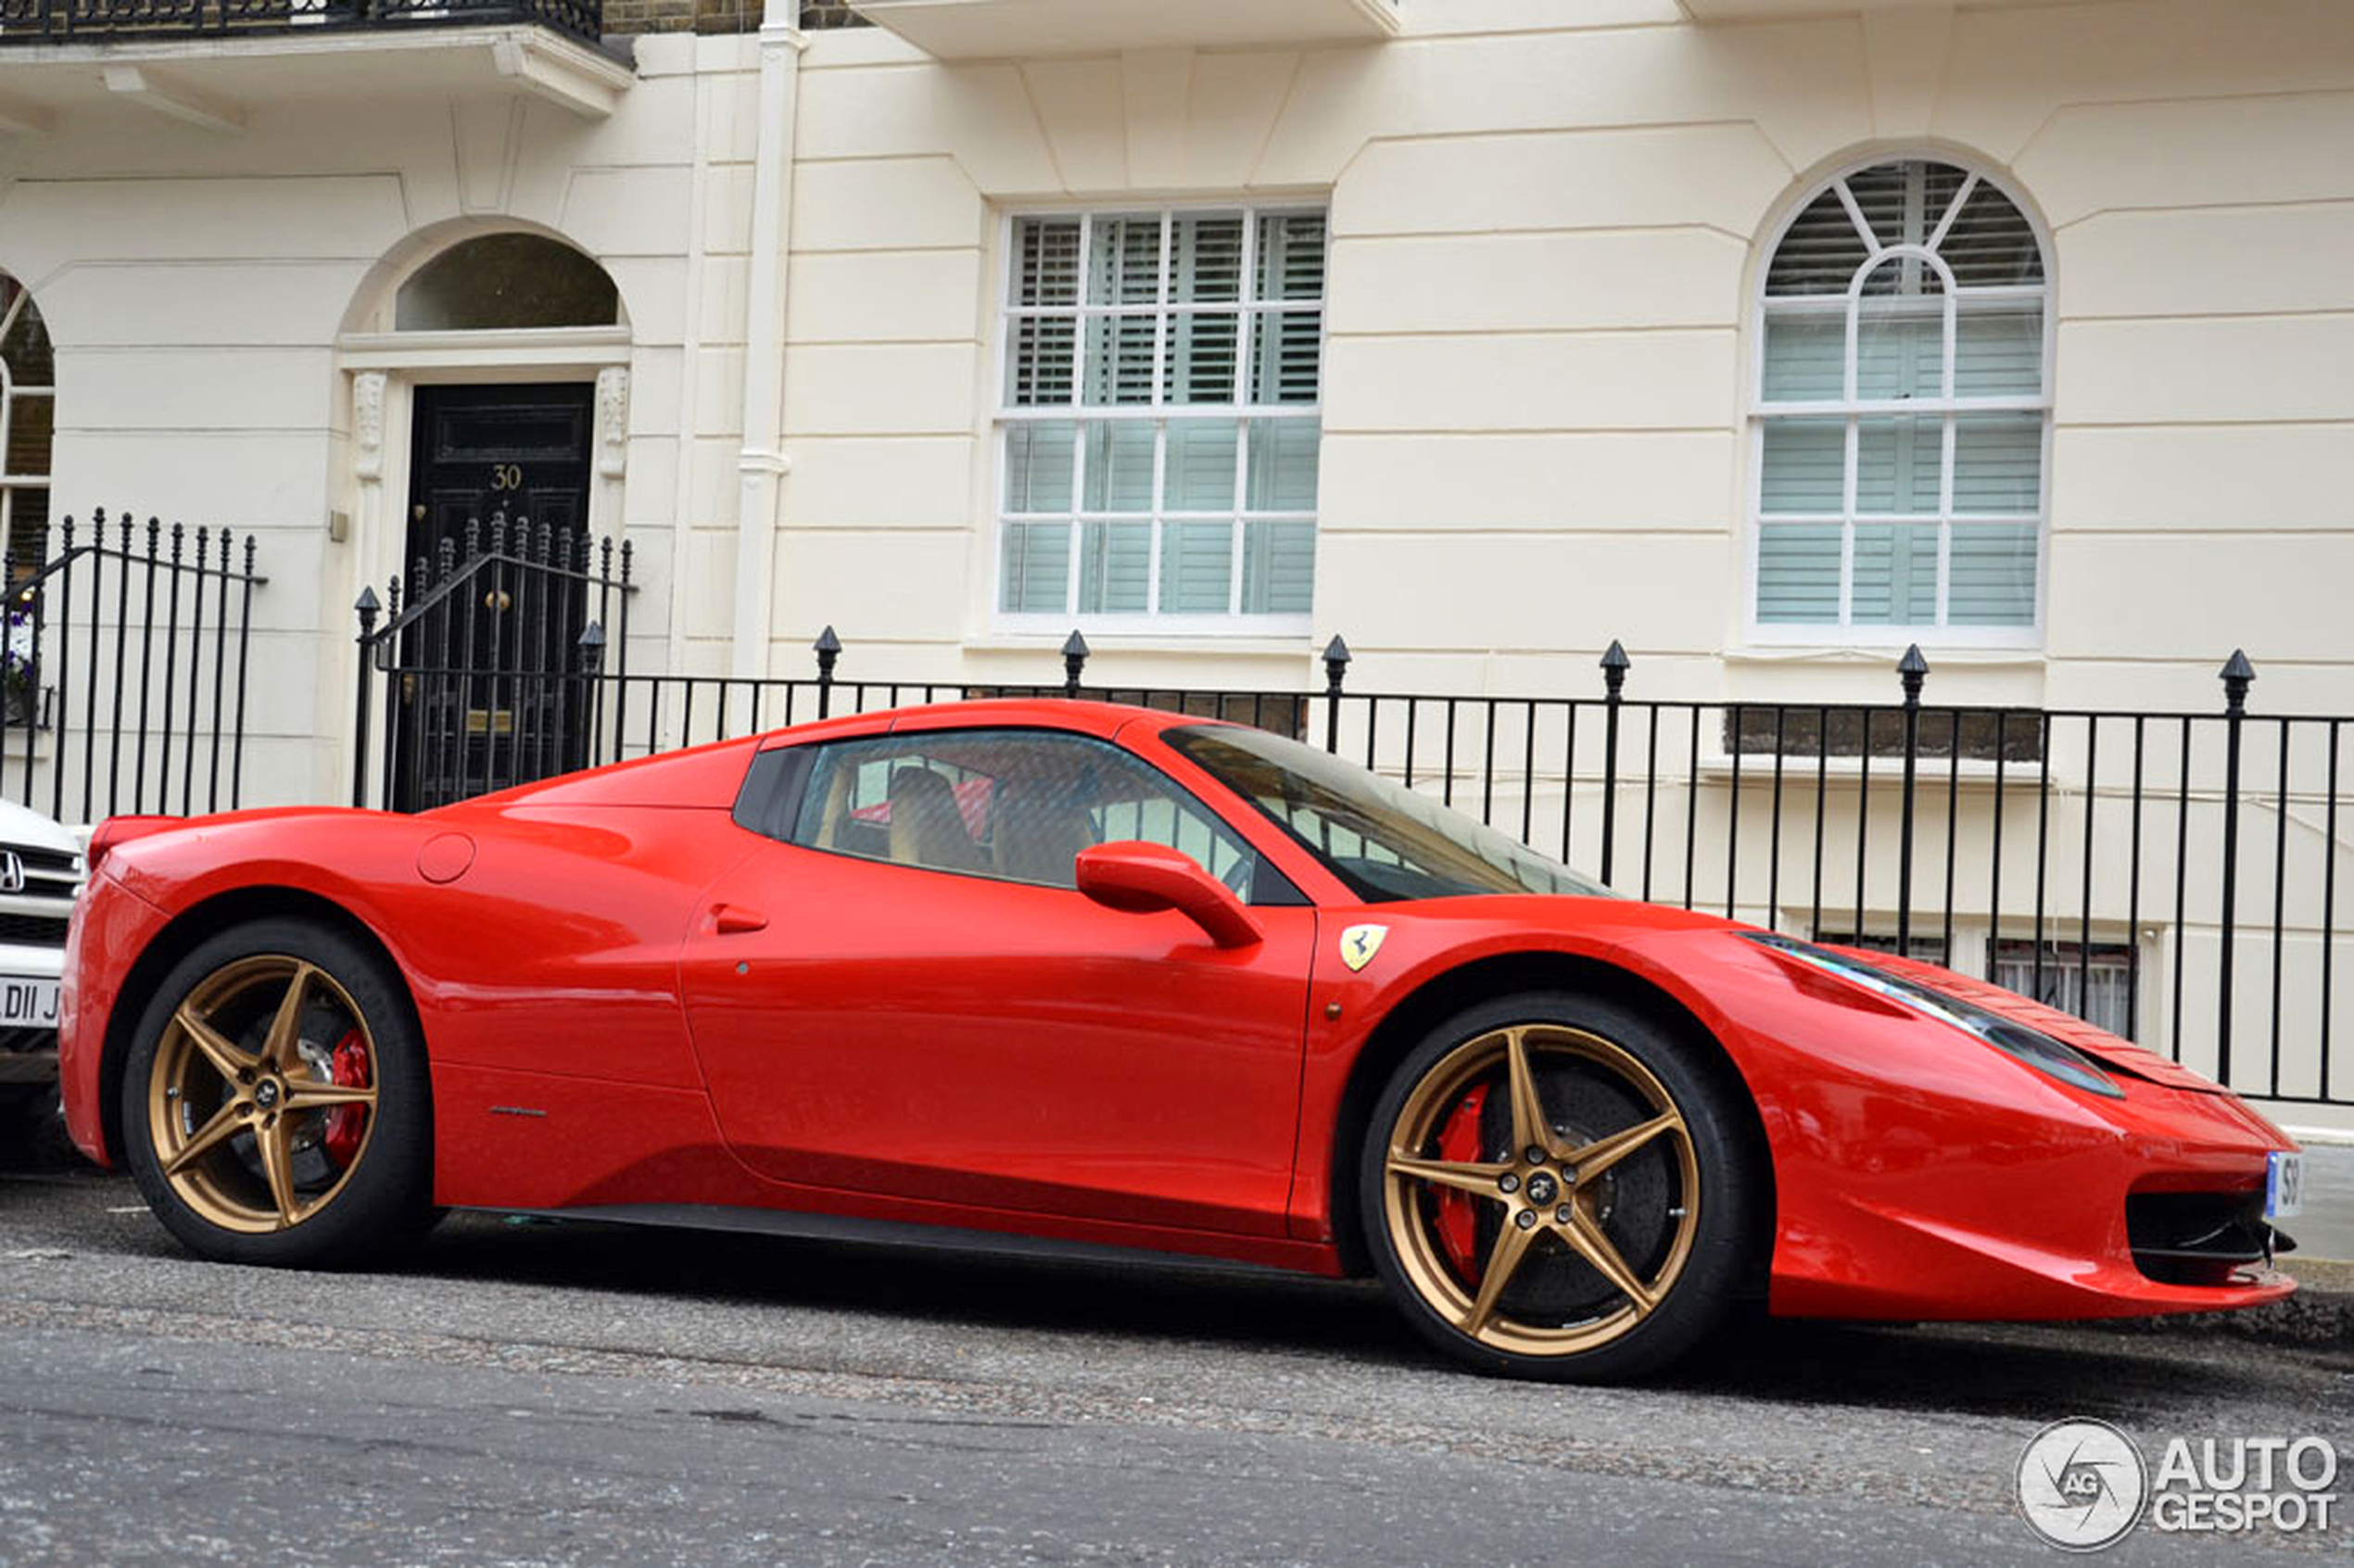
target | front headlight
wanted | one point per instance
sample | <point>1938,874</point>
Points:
<point>2053,1058</point>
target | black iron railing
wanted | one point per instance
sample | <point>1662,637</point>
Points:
<point>490,670</point>
<point>124,670</point>
<point>55,21</point>
<point>2172,873</point>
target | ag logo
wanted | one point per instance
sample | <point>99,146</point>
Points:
<point>2081,1485</point>
<point>1358,944</point>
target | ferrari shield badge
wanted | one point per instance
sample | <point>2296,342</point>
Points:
<point>1358,944</point>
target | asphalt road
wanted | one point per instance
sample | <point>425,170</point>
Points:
<point>542,1393</point>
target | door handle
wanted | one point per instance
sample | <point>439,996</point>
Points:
<point>733,920</point>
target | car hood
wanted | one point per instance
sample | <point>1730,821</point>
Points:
<point>26,828</point>
<point>2068,1028</point>
<point>1632,923</point>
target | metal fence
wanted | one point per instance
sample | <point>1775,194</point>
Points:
<point>2172,873</point>
<point>54,22</point>
<point>491,671</point>
<point>123,671</point>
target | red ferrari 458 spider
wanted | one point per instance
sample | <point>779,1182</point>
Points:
<point>1051,975</point>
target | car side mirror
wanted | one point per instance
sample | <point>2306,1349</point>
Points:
<point>1141,879</point>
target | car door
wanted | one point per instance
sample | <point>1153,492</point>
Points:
<point>906,995</point>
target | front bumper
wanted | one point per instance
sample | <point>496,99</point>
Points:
<point>2037,1211</point>
<point>1924,1173</point>
<point>32,1065</point>
<point>28,1052</point>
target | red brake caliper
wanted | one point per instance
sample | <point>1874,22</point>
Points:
<point>1458,1220</point>
<point>347,1124</point>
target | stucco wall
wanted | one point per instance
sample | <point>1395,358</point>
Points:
<point>1545,238</point>
<point>198,286</point>
<point>1546,244</point>
<point>1544,256</point>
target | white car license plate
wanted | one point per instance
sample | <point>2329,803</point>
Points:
<point>2284,1185</point>
<point>28,1002</point>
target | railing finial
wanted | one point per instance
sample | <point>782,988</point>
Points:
<point>1074,661</point>
<point>368,605</point>
<point>1911,670</point>
<point>2237,674</point>
<point>827,648</point>
<point>1336,662</point>
<point>1615,664</point>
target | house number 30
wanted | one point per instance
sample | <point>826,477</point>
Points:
<point>506,476</point>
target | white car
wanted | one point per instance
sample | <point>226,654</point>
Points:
<point>41,868</point>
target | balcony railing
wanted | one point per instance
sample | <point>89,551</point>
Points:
<point>64,22</point>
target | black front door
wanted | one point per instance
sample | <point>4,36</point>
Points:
<point>487,452</point>
<point>486,687</point>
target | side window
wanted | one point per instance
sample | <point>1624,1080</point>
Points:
<point>1018,804</point>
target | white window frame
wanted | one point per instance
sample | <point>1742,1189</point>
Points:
<point>2115,955</point>
<point>1153,621</point>
<point>10,395</point>
<point>1846,631</point>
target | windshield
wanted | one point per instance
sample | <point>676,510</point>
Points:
<point>1384,840</point>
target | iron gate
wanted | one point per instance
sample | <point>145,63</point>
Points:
<point>490,668</point>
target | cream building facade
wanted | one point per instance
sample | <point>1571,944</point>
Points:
<point>1766,336</point>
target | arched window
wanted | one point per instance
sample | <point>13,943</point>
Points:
<point>1901,411</point>
<point>502,282</point>
<point>28,419</point>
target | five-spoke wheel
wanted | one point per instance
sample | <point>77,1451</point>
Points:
<point>274,1108</point>
<point>1554,1186</point>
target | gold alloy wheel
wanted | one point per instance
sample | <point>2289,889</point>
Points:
<point>228,1122</point>
<point>1549,1189</point>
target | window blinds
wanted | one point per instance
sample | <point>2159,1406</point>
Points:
<point>1159,429</point>
<point>1901,405</point>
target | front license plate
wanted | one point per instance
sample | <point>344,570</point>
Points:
<point>2284,1185</point>
<point>28,1002</point>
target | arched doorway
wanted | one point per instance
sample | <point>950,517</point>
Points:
<point>485,451</point>
<point>489,398</point>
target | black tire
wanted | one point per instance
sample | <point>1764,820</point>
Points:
<point>1600,1068</point>
<point>224,1203</point>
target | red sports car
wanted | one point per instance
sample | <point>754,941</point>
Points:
<point>1052,975</point>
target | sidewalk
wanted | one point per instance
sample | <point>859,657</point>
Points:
<point>2326,1230</point>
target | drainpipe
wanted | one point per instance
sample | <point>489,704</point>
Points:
<point>761,466</point>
